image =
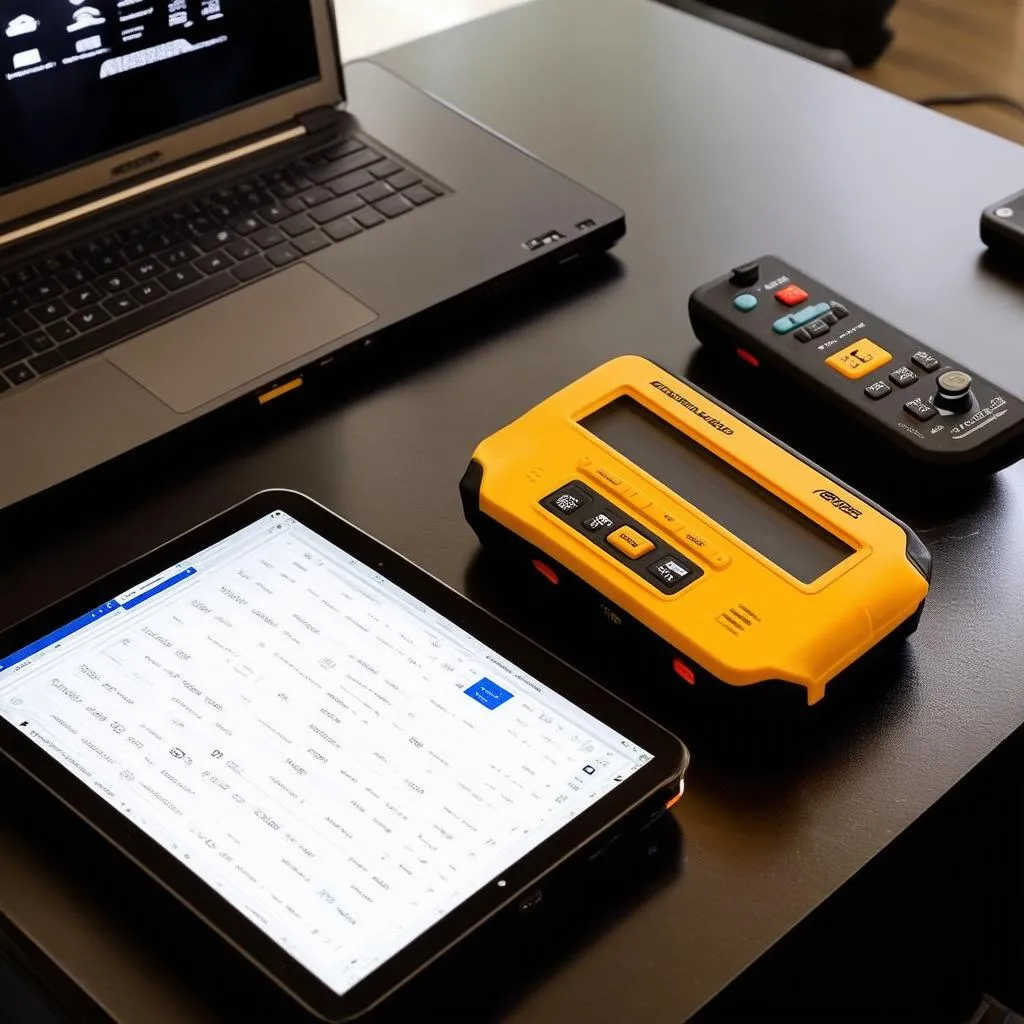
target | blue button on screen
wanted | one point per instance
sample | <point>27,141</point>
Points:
<point>745,303</point>
<point>488,693</point>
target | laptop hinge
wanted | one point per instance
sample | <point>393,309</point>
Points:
<point>153,184</point>
<point>319,119</point>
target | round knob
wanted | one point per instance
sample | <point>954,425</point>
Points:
<point>954,390</point>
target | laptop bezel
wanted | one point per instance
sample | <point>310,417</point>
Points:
<point>155,154</point>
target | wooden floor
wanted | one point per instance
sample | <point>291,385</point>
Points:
<point>957,46</point>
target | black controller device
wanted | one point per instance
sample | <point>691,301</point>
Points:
<point>772,315</point>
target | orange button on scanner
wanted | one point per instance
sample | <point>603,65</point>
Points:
<point>629,542</point>
<point>791,295</point>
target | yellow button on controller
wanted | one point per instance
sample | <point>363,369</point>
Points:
<point>858,360</point>
<point>629,542</point>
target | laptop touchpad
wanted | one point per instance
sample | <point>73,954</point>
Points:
<point>245,335</point>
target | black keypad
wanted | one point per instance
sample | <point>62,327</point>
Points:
<point>669,572</point>
<point>567,500</point>
<point>601,521</point>
<point>879,389</point>
<point>920,409</point>
<point>903,377</point>
<point>925,361</point>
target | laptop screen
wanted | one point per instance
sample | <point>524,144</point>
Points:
<point>83,78</point>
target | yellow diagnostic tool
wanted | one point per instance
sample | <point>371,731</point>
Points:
<point>744,561</point>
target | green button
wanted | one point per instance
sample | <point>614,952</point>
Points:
<point>745,303</point>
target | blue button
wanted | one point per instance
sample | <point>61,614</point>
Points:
<point>784,325</point>
<point>809,313</point>
<point>488,693</point>
<point>745,303</point>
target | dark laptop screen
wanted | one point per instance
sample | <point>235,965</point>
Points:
<point>81,78</point>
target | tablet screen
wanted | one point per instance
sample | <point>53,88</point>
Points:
<point>343,764</point>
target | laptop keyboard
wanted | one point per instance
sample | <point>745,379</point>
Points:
<point>73,303</point>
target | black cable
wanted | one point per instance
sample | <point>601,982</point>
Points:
<point>970,98</point>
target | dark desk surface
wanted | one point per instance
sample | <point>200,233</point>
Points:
<point>719,149</point>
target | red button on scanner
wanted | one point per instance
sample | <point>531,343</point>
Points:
<point>684,671</point>
<point>791,295</point>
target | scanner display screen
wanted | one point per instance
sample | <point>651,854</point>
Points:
<point>747,510</point>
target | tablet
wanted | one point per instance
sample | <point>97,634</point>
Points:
<point>339,764</point>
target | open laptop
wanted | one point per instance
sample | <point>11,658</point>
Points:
<point>196,209</point>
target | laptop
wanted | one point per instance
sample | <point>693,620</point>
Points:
<point>197,208</point>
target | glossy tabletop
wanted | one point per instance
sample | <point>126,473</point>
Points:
<point>719,149</point>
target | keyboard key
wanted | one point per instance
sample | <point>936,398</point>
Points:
<point>342,228</point>
<point>351,182</point>
<point>42,291</point>
<point>243,249</point>
<point>179,255</point>
<point>215,262</point>
<point>148,316</point>
<point>311,243</point>
<point>75,276</point>
<point>14,352</point>
<point>179,278</point>
<point>347,147</point>
<point>336,208</point>
<point>54,264</point>
<point>8,332</point>
<point>251,269</point>
<point>368,218</point>
<point>38,341</point>
<point>11,302</point>
<point>297,225</point>
<point>120,304</point>
<point>274,212</point>
<point>85,296</point>
<point>284,190</point>
<point>404,180</point>
<point>215,239</point>
<point>354,162</point>
<point>22,276</point>
<point>149,292</point>
<point>385,169</point>
<point>50,311</point>
<point>245,225</point>
<point>116,282</point>
<point>4,386</point>
<point>61,332</point>
<point>47,361</point>
<point>268,238</point>
<point>23,322</point>
<point>418,194</point>
<point>107,262</point>
<point>87,319</point>
<point>283,255</point>
<point>393,206</point>
<point>19,374</point>
<point>377,191</point>
<point>145,269</point>
<point>316,196</point>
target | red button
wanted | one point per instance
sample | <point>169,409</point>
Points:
<point>791,295</point>
<point>684,671</point>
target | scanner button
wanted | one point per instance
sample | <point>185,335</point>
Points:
<point>665,519</point>
<point>879,389</point>
<point>668,572</point>
<point>701,546</point>
<point>859,359</point>
<point>630,543</point>
<point>839,309</point>
<point>791,295</point>
<point>601,521</point>
<point>784,325</point>
<point>568,499</point>
<point>605,474</point>
<point>745,302</point>
<point>903,377</point>
<point>920,409</point>
<point>638,499</point>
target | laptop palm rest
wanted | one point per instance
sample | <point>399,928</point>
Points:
<point>217,349</point>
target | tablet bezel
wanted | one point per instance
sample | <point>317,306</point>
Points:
<point>661,773</point>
